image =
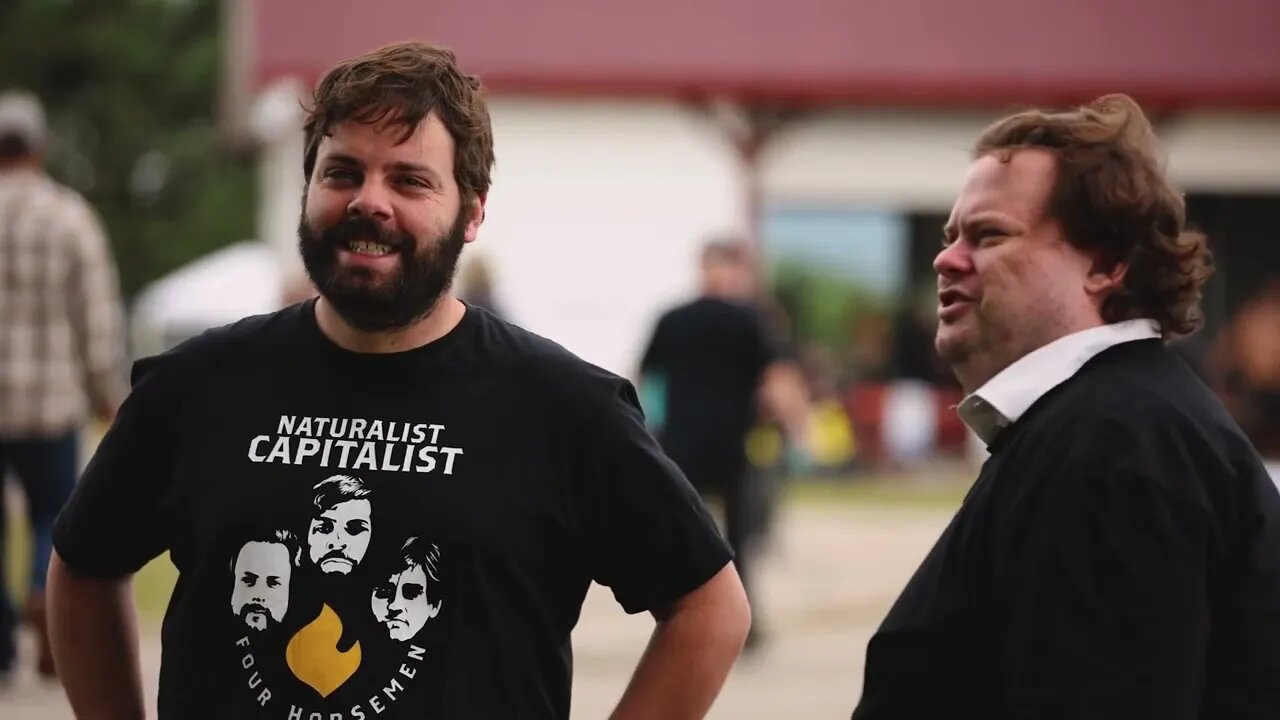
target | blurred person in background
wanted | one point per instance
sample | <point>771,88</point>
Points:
<point>1244,362</point>
<point>478,287</point>
<point>61,345</point>
<point>1119,554</point>
<point>706,365</point>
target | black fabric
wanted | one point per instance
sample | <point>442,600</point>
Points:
<point>710,355</point>
<point>397,536</point>
<point>1118,557</point>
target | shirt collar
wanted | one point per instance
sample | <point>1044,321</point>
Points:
<point>1007,396</point>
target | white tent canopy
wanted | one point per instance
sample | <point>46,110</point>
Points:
<point>222,287</point>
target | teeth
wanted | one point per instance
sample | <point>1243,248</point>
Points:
<point>367,247</point>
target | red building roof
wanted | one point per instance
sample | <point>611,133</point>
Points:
<point>1169,53</point>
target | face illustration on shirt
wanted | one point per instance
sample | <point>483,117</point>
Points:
<point>338,538</point>
<point>401,603</point>
<point>261,593</point>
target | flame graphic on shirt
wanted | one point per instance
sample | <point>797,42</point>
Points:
<point>313,655</point>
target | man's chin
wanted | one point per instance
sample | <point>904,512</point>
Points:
<point>363,285</point>
<point>953,344</point>
<point>258,620</point>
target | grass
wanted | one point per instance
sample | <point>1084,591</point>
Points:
<point>154,583</point>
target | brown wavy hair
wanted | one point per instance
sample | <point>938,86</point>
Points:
<point>1112,196</point>
<point>402,83</point>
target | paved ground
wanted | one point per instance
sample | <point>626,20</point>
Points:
<point>830,576</point>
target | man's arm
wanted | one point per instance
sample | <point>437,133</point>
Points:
<point>783,392</point>
<point>694,645</point>
<point>93,631</point>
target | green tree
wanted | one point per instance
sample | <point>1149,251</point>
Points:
<point>824,307</point>
<point>130,87</point>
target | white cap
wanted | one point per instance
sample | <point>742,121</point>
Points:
<point>21,114</point>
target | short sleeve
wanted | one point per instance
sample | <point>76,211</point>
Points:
<point>112,524</point>
<point>649,537</point>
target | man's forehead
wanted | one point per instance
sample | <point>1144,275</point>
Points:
<point>390,138</point>
<point>1017,182</point>
<point>358,506</point>
<point>260,549</point>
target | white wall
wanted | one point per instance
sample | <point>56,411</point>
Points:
<point>1223,152</point>
<point>916,159</point>
<point>276,122</point>
<point>880,158</point>
<point>596,215</point>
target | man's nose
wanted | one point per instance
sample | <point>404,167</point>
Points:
<point>954,260</point>
<point>372,201</point>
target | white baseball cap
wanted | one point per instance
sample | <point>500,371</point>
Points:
<point>22,114</point>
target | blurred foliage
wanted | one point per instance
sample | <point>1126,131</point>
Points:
<point>823,308</point>
<point>130,87</point>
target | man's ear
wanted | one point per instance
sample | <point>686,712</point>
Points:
<point>475,216</point>
<point>1106,275</point>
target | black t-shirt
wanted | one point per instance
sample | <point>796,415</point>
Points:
<point>710,354</point>
<point>407,535</point>
<point>1118,557</point>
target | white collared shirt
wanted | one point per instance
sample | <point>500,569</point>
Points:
<point>1004,398</point>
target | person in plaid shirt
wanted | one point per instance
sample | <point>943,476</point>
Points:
<point>61,344</point>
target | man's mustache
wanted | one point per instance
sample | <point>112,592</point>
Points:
<point>335,555</point>
<point>250,608</point>
<point>363,228</point>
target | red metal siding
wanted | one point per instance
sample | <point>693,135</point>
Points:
<point>1174,52</point>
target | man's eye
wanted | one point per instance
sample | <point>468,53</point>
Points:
<point>340,174</point>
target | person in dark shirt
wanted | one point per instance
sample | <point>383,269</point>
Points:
<point>1119,553</point>
<point>708,362</point>
<point>414,496</point>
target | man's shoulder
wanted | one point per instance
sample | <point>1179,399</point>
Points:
<point>703,312</point>
<point>69,202</point>
<point>55,202</point>
<point>546,363</point>
<point>1141,408</point>
<point>249,339</point>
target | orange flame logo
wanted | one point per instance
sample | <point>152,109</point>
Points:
<point>313,654</point>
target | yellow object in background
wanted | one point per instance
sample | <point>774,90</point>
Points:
<point>764,446</point>
<point>830,443</point>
